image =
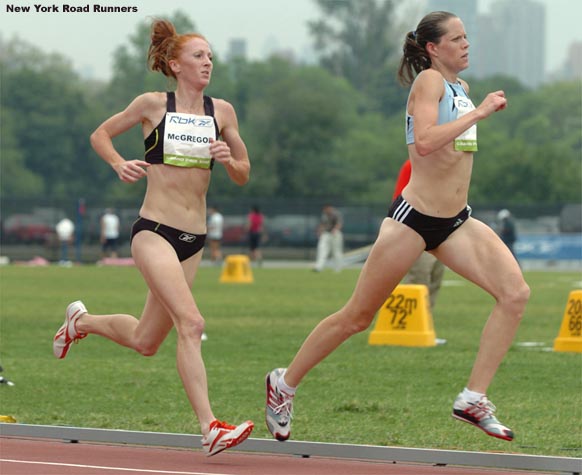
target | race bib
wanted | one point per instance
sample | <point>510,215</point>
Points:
<point>467,141</point>
<point>187,140</point>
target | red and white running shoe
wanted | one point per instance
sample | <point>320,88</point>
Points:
<point>481,414</point>
<point>224,436</point>
<point>279,407</point>
<point>68,334</point>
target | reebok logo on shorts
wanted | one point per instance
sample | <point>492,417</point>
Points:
<point>187,237</point>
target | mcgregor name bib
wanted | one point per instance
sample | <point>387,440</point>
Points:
<point>187,140</point>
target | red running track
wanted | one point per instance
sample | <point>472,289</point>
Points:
<point>19,456</point>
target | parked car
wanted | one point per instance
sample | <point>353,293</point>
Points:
<point>234,231</point>
<point>571,218</point>
<point>27,229</point>
<point>296,230</point>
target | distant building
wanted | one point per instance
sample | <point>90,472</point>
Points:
<point>237,48</point>
<point>485,61</point>
<point>573,66</point>
<point>287,54</point>
<point>466,10</point>
<point>521,39</point>
<point>515,37</point>
<point>510,40</point>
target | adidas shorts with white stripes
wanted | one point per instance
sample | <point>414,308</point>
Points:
<point>433,230</point>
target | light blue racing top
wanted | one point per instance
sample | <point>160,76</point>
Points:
<point>447,110</point>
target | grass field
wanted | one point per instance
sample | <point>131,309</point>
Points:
<point>361,394</point>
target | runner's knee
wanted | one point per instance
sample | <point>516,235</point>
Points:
<point>515,297</point>
<point>190,327</point>
<point>356,320</point>
<point>147,347</point>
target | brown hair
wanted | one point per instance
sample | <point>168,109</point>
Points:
<point>166,45</point>
<point>415,58</point>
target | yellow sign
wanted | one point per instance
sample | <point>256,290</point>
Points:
<point>570,336</point>
<point>405,319</point>
<point>237,268</point>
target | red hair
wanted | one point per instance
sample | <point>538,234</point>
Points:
<point>166,45</point>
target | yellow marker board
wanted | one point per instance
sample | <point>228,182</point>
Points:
<point>405,319</point>
<point>237,268</point>
<point>570,336</point>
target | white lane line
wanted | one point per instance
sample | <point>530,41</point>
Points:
<point>100,467</point>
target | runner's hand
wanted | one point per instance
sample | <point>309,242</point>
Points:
<point>131,171</point>
<point>495,101</point>
<point>220,151</point>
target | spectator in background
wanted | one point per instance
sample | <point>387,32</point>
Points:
<point>427,270</point>
<point>65,229</point>
<point>214,234</point>
<point>506,229</point>
<point>330,238</point>
<point>109,233</point>
<point>256,229</point>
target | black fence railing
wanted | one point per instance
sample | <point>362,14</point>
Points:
<point>289,223</point>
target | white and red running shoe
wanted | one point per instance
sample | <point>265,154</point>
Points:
<point>68,334</point>
<point>224,436</point>
<point>481,415</point>
<point>279,408</point>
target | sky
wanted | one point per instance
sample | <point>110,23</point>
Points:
<point>89,39</point>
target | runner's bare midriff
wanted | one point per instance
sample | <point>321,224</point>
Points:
<point>176,197</point>
<point>439,185</point>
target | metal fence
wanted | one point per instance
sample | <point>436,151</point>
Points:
<point>28,226</point>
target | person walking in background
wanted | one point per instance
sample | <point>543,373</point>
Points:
<point>506,229</point>
<point>169,234</point>
<point>330,238</point>
<point>109,233</point>
<point>427,269</point>
<point>215,227</point>
<point>65,230</point>
<point>431,214</point>
<point>256,230</point>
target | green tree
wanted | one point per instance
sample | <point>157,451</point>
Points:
<point>312,132</point>
<point>371,154</point>
<point>294,116</point>
<point>530,152</point>
<point>356,40</point>
<point>49,111</point>
<point>16,180</point>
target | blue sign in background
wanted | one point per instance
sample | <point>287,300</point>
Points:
<point>549,246</point>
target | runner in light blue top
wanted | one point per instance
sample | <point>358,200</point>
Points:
<point>432,213</point>
<point>448,109</point>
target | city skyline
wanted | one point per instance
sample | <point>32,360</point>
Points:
<point>497,38</point>
<point>89,40</point>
